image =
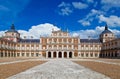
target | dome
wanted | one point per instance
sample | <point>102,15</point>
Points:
<point>106,30</point>
<point>12,29</point>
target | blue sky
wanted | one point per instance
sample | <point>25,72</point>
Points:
<point>78,16</point>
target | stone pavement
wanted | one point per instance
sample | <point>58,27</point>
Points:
<point>59,69</point>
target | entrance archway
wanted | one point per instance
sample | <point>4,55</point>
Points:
<point>49,54</point>
<point>65,54</point>
<point>5,54</point>
<point>115,54</point>
<point>2,54</point>
<point>60,55</point>
<point>54,54</point>
<point>70,54</point>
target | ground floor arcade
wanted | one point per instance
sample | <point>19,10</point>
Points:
<point>110,54</point>
<point>59,54</point>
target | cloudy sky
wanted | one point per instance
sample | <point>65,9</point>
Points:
<point>81,17</point>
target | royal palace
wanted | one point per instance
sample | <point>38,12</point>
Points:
<point>60,45</point>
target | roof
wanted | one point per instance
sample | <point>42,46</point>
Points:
<point>106,30</point>
<point>90,41</point>
<point>12,29</point>
<point>29,41</point>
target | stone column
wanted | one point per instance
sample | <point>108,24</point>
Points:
<point>72,54</point>
<point>0,53</point>
<point>51,54</point>
<point>56,54</point>
<point>46,54</point>
<point>67,54</point>
<point>20,54</point>
<point>62,54</point>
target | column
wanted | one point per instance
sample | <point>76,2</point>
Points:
<point>67,54</point>
<point>93,54</point>
<point>20,54</point>
<point>51,54</point>
<point>0,53</point>
<point>46,54</point>
<point>57,54</point>
<point>25,54</point>
<point>89,55</point>
<point>62,54</point>
<point>72,54</point>
<point>30,54</point>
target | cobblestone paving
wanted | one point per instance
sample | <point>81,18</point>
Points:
<point>59,69</point>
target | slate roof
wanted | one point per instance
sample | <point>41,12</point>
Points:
<point>12,29</point>
<point>106,30</point>
<point>90,41</point>
<point>29,41</point>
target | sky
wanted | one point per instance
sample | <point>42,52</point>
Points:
<point>81,17</point>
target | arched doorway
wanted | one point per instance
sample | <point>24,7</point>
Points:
<point>60,55</point>
<point>108,54</point>
<point>115,54</point>
<point>112,55</point>
<point>5,54</point>
<point>49,54</point>
<point>70,54</point>
<point>8,54</point>
<point>54,54</point>
<point>1,54</point>
<point>65,54</point>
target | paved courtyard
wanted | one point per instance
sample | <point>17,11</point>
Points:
<point>59,69</point>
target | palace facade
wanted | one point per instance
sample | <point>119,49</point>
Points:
<point>60,45</point>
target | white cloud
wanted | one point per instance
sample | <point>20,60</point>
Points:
<point>112,20</point>
<point>90,17</point>
<point>93,33</point>
<point>90,1</point>
<point>63,4</point>
<point>84,23</point>
<point>65,8</point>
<point>65,11</point>
<point>46,29</point>
<point>108,4</point>
<point>36,31</point>
<point>39,30</point>
<point>2,33</point>
<point>79,5</point>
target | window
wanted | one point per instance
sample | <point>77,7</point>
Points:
<point>27,45</point>
<point>91,55</point>
<point>86,54</point>
<point>55,40</point>
<point>60,40</point>
<point>96,55</point>
<point>64,45</point>
<point>27,54</point>
<point>69,40</point>
<point>23,54</point>
<point>22,45</point>
<point>32,45</point>
<point>12,34</point>
<point>82,55</point>
<point>37,54</point>
<point>64,40</point>
<point>105,34</point>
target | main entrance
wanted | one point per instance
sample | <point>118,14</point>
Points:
<point>59,54</point>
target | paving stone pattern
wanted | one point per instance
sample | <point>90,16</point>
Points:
<point>59,69</point>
